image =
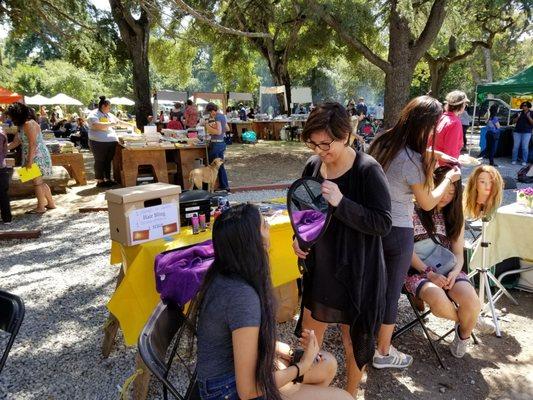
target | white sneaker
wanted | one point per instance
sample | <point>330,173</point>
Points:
<point>513,162</point>
<point>484,325</point>
<point>524,164</point>
<point>458,346</point>
<point>395,359</point>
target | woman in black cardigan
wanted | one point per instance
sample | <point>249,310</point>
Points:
<point>346,281</point>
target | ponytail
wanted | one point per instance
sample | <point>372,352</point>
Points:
<point>103,102</point>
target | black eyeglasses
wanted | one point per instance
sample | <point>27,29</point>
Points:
<point>321,146</point>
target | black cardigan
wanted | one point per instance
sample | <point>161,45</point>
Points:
<point>366,217</point>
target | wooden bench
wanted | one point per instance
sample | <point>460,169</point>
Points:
<point>73,163</point>
<point>58,182</point>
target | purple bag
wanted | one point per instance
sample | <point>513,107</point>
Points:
<point>309,223</point>
<point>179,273</point>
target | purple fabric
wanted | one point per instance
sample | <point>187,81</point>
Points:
<point>309,223</point>
<point>179,273</point>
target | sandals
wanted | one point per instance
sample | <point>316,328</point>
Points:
<point>34,211</point>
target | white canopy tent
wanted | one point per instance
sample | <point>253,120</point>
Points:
<point>198,100</point>
<point>298,94</point>
<point>301,95</point>
<point>171,96</point>
<point>37,100</point>
<point>121,101</point>
<point>271,90</point>
<point>239,96</point>
<point>63,99</point>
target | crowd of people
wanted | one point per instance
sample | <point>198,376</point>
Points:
<point>391,201</point>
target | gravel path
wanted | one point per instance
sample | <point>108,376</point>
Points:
<point>65,280</point>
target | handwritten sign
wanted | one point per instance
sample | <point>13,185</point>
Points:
<point>153,222</point>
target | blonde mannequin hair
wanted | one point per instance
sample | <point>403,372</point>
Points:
<point>474,210</point>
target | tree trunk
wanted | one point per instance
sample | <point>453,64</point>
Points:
<point>397,84</point>
<point>135,33</point>
<point>488,64</point>
<point>399,75</point>
<point>281,77</point>
<point>141,89</point>
<point>437,72</point>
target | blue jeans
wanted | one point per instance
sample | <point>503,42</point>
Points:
<point>521,140</point>
<point>216,150</point>
<point>221,387</point>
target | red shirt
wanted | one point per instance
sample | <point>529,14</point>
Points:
<point>449,135</point>
<point>191,116</point>
<point>175,125</point>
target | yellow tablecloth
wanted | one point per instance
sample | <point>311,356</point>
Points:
<point>136,297</point>
<point>510,233</point>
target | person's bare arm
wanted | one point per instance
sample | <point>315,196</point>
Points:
<point>417,263</point>
<point>530,119</point>
<point>245,358</point>
<point>15,143</point>
<point>429,199</point>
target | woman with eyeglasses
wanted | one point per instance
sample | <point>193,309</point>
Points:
<point>401,151</point>
<point>345,279</point>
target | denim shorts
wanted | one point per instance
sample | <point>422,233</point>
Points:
<point>222,387</point>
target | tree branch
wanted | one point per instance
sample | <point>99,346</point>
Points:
<point>127,20</point>
<point>65,15</point>
<point>431,29</point>
<point>189,10</point>
<point>351,41</point>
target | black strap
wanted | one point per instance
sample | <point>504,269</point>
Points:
<point>430,234</point>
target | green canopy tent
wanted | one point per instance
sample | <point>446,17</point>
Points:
<point>518,84</point>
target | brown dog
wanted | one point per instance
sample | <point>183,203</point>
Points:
<point>206,174</point>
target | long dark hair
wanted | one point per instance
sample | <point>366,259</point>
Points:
<point>413,129</point>
<point>493,110</point>
<point>241,252</point>
<point>453,211</point>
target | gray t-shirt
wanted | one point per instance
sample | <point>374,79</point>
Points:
<point>101,136</point>
<point>404,170</point>
<point>230,303</point>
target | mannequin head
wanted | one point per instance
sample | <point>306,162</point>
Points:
<point>484,192</point>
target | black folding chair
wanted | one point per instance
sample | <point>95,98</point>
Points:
<point>12,312</point>
<point>419,319</point>
<point>165,326</point>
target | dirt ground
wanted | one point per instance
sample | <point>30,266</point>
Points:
<point>495,368</point>
<point>265,162</point>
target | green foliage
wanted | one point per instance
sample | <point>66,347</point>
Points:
<point>55,77</point>
<point>28,79</point>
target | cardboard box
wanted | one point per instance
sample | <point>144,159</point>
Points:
<point>139,214</point>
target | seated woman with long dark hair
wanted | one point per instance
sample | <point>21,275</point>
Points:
<point>445,223</point>
<point>238,357</point>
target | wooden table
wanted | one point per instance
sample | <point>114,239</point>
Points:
<point>73,163</point>
<point>128,160</point>
<point>269,130</point>
<point>238,127</point>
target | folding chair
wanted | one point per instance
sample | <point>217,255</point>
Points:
<point>12,312</point>
<point>167,323</point>
<point>420,316</point>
